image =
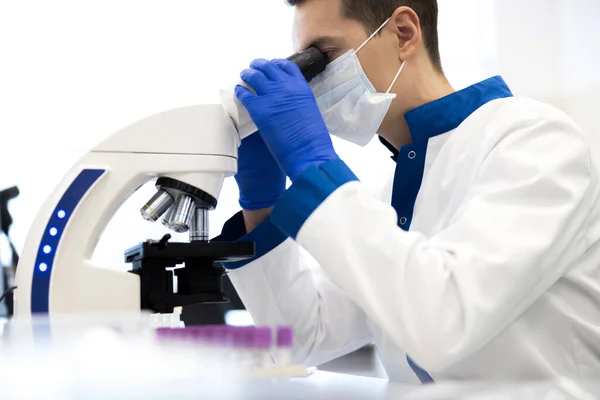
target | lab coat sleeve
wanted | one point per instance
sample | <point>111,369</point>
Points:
<point>278,288</point>
<point>442,298</point>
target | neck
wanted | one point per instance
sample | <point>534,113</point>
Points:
<point>419,85</point>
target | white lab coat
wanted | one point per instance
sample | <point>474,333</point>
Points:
<point>498,276</point>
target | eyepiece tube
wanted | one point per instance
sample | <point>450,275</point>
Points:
<point>311,62</point>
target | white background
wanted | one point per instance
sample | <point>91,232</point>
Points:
<point>73,72</point>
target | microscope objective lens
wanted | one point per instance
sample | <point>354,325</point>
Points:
<point>183,214</point>
<point>157,206</point>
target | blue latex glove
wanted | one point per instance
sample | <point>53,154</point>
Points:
<point>260,179</point>
<point>285,111</point>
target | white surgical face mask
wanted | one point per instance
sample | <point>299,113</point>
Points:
<point>349,103</point>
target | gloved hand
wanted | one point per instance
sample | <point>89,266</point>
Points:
<point>285,111</point>
<point>260,179</point>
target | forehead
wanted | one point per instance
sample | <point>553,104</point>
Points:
<point>321,20</point>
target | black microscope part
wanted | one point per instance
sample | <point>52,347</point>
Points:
<point>202,198</point>
<point>5,218</point>
<point>311,62</point>
<point>5,223</point>
<point>200,281</point>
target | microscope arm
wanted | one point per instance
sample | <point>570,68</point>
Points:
<point>196,146</point>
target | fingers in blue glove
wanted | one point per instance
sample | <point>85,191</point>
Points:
<point>270,69</point>
<point>260,178</point>
<point>287,115</point>
<point>257,79</point>
<point>289,67</point>
<point>244,95</point>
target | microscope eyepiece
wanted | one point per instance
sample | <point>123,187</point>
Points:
<point>311,62</point>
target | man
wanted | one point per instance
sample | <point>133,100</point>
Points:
<point>481,262</point>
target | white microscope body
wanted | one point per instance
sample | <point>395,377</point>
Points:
<point>190,151</point>
<point>194,145</point>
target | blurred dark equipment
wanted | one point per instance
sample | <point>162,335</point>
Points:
<point>8,271</point>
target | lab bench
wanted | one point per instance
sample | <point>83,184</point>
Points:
<point>328,385</point>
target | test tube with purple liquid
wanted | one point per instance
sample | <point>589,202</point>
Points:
<point>247,347</point>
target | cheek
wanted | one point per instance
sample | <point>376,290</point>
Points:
<point>380,67</point>
<point>375,73</point>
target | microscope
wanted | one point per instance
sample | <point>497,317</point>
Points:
<point>188,152</point>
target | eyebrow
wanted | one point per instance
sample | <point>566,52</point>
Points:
<point>323,41</point>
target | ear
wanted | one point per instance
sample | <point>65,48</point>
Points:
<point>407,28</point>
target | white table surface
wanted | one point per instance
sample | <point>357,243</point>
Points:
<point>320,385</point>
<point>45,376</point>
<point>325,385</point>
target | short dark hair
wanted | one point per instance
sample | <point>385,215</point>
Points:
<point>372,13</point>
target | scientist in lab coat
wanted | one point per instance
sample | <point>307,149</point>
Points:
<point>481,261</point>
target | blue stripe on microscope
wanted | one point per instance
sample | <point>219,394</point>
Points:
<point>44,263</point>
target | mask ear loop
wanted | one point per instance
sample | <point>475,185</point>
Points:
<point>369,39</point>
<point>396,77</point>
<point>373,35</point>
